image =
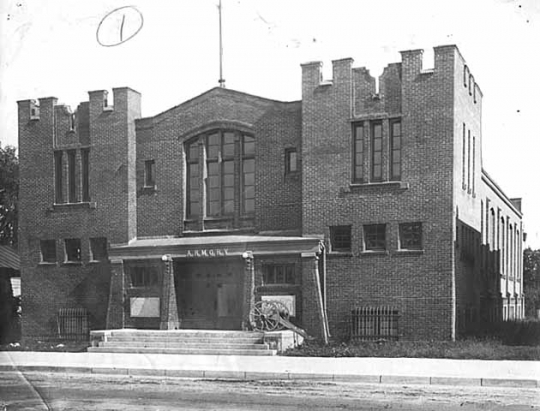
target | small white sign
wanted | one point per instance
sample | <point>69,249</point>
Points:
<point>288,301</point>
<point>144,307</point>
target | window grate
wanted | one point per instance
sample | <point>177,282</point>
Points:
<point>374,323</point>
<point>73,324</point>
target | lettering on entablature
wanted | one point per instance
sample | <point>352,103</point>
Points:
<point>212,252</point>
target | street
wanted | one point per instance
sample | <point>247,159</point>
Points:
<point>48,391</point>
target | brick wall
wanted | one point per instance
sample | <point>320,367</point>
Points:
<point>109,135</point>
<point>420,285</point>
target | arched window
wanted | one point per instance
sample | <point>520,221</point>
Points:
<point>227,159</point>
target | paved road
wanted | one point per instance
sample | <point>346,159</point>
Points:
<point>56,391</point>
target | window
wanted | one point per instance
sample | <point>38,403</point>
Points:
<point>229,187</point>
<point>98,249</point>
<point>340,238</point>
<point>358,149</point>
<point>469,160</point>
<point>48,251</point>
<point>72,176</point>
<point>193,180</point>
<point>73,250</point>
<point>463,182</point>
<point>58,177</point>
<point>473,163</point>
<point>291,161</point>
<point>143,276</point>
<point>72,122</point>
<point>278,274</point>
<point>410,236</point>
<point>149,173</point>
<point>248,174</point>
<point>220,173</point>
<point>376,151</point>
<point>375,237</point>
<point>85,175</point>
<point>395,157</point>
<point>465,76</point>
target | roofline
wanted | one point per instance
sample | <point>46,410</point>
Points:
<point>497,190</point>
<point>222,90</point>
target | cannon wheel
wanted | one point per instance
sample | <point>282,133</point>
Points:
<point>266,315</point>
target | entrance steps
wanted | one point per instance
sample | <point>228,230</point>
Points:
<point>196,342</point>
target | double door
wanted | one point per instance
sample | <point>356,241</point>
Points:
<point>209,294</point>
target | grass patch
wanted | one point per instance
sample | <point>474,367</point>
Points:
<point>461,350</point>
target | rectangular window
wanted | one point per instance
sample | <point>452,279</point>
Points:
<point>72,176</point>
<point>469,160</point>
<point>193,181</point>
<point>473,163</point>
<point>278,274</point>
<point>410,236</point>
<point>463,182</point>
<point>291,161</point>
<point>149,173</point>
<point>98,249</point>
<point>376,151</point>
<point>358,149</point>
<point>143,276</point>
<point>228,186</point>
<point>375,237</point>
<point>85,165</point>
<point>73,250</point>
<point>340,238</point>
<point>395,143</point>
<point>48,251</point>
<point>220,173</point>
<point>248,175</point>
<point>58,177</point>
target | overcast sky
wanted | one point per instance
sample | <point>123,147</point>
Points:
<point>50,48</point>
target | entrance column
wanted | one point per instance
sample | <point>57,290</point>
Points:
<point>314,318</point>
<point>168,308</point>
<point>115,308</point>
<point>249,289</point>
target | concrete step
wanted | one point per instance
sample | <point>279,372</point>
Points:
<point>188,340</point>
<point>182,344</point>
<point>161,335</point>
<point>182,351</point>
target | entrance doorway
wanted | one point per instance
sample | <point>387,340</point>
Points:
<point>209,294</point>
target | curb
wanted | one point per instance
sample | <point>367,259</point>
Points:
<point>261,375</point>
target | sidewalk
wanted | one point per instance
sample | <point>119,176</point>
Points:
<point>525,374</point>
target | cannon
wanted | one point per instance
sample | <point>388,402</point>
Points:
<point>268,315</point>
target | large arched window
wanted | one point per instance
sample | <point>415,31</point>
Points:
<point>227,159</point>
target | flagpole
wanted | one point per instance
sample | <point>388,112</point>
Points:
<point>221,79</point>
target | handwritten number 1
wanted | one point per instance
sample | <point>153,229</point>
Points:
<point>122,27</point>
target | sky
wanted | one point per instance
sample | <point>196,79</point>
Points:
<point>54,48</point>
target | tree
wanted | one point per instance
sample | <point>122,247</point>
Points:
<point>531,281</point>
<point>9,191</point>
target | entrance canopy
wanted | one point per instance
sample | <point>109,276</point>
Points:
<point>215,246</point>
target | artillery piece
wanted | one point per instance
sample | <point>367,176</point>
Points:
<point>268,315</point>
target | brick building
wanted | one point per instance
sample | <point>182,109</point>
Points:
<point>355,196</point>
